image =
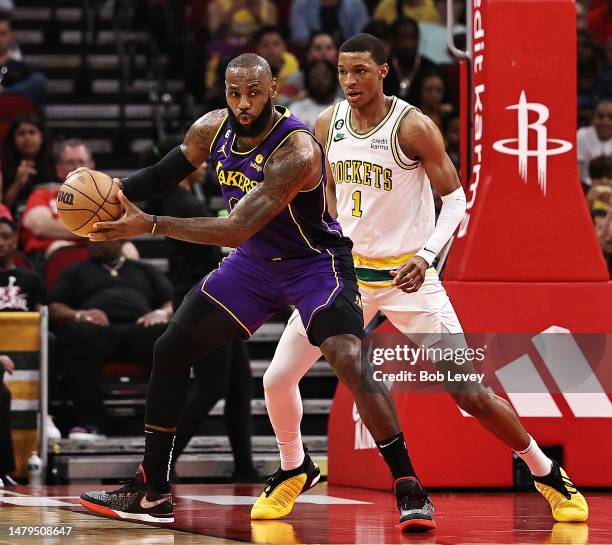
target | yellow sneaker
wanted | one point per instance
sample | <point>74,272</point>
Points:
<point>566,502</point>
<point>283,488</point>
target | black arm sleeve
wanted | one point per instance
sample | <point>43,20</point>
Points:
<point>148,183</point>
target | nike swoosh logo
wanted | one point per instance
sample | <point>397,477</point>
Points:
<point>390,443</point>
<point>146,504</point>
<point>339,137</point>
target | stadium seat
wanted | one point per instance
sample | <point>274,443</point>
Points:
<point>61,259</point>
<point>12,106</point>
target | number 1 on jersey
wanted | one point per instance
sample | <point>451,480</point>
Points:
<point>357,199</point>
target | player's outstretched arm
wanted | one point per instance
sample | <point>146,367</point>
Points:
<point>419,138</point>
<point>322,133</point>
<point>179,163</point>
<point>294,166</point>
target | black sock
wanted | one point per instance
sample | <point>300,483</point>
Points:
<point>158,452</point>
<point>395,453</point>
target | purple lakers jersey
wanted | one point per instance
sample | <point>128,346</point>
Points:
<point>304,227</point>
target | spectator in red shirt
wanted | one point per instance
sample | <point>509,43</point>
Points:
<point>43,231</point>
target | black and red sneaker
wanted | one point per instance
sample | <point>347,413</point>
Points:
<point>415,507</point>
<point>136,500</point>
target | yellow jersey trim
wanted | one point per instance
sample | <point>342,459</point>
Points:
<point>380,262</point>
<point>388,283</point>
<point>330,295</point>
<point>330,131</point>
<point>300,230</point>
<point>371,131</point>
<point>285,115</point>
<point>223,306</point>
<point>216,137</point>
<point>395,144</point>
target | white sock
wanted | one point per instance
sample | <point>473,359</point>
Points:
<point>539,464</point>
<point>291,453</point>
<point>293,357</point>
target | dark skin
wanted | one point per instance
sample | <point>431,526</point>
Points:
<point>295,166</point>
<point>361,78</point>
<point>108,253</point>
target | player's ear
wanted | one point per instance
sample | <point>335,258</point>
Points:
<point>383,70</point>
<point>273,88</point>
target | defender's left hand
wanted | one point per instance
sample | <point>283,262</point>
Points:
<point>133,222</point>
<point>410,276</point>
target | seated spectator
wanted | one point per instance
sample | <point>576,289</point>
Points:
<point>431,98</point>
<point>433,33</point>
<point>596,139</point>
<point>321,92</point>
<point>321,47</point>
<point>271,46</point>
<point>406,66</point>
<point>7,456</point>
<point>420,10</point>
<point>599,196</point>
<point>16,77</point>
<point>590,64</point>
<point>107,309</point>
<point>22,290</point>
<point>26,162</point>
<point>341,19</point>
<point>240,19</point>
<point>43,232</point>
<point>452,137</point>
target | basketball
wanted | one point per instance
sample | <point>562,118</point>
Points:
<point>86,197</point>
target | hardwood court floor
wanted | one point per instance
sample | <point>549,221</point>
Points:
<point>207,514</point>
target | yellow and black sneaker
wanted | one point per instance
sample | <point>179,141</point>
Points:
<point>283,488</point>
<point>566,502</point>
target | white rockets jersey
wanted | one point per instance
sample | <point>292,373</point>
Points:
<point>385,202</point>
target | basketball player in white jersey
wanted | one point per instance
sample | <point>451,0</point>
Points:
<point>384,154</point>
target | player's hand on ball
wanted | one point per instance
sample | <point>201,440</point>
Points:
<point>133,222</point>
<point>410,276</point>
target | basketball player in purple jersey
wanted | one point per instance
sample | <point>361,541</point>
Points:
<point>288,251</point>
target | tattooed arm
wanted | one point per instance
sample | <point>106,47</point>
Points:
<point>294,166</point>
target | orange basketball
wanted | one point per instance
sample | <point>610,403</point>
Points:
<point>86,197</point>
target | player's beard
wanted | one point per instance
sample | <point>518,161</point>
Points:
<point>257,126</point>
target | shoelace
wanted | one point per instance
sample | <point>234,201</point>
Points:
<point>413,500</point>
<point>128,486</point>
<point>272,480</point>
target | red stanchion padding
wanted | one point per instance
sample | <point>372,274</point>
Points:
<point>527,219</point>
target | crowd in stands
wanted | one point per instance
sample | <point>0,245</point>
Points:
<point>111,303</point>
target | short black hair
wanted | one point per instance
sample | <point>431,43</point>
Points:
<point>379,29</point>
<point>602,101</point>
<point>6,16</point>
<point>7,221</point>
<point>405,21</point>
<point>249,60</point>
<point>267,29</point>
<point>600,167</point>
<point>367,43</point>
<point>447,118</point>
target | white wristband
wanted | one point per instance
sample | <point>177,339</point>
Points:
<point>451,214</point>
